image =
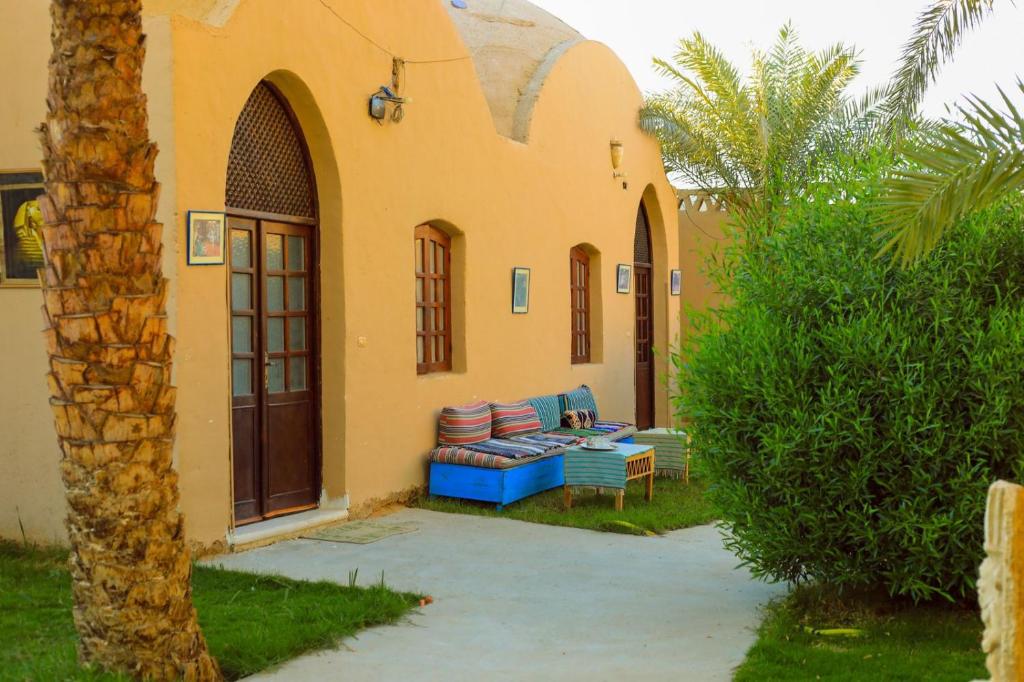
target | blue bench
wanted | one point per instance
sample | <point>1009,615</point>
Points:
<point>499,486</point>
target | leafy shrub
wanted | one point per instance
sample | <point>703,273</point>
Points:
<point>851,414</point>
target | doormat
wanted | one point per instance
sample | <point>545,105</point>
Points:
<point>361,532</point>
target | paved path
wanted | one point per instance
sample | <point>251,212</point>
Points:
<point>523,601</point>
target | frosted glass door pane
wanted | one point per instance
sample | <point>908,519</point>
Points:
<point>275,252</point>
<point>296,293</point>
<point>241,377</point>
<point>297,374</point>
<point>241,334</point>
<point>275,375</point>
<point>296,333</point>
<point>296,253</point>
<point>241,291</point>
<point>241,249</point>
<point>275,294</point>
<point>275,335</point>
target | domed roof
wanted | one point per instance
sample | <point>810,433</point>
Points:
<point>513,44</point>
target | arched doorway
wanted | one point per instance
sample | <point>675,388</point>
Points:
<point>644,373</point>
<point>272,224</point>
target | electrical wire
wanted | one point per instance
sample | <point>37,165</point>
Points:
<point>701,229</point>
<point>383,49</point>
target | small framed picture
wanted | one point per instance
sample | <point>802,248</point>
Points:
<point>622,277</point>
<point>677,282</point>
<point>21,228</point>
<point>205,238</point>
<point>520,291</point>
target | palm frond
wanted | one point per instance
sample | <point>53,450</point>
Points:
<point>710,67</point>
<point>938,32</point>
<point>856,124</point>
<point>953,170</point>
<point>755,139</point>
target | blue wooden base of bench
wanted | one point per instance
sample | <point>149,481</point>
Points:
<point>501,486</point>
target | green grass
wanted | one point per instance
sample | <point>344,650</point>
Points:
<point>251,622</point>
<point>675,505</point>
<point>934,642</point>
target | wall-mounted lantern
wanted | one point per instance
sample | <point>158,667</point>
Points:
<point>617,152</point>
<point>379,105</point>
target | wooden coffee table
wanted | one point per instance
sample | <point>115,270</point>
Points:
<point>609,469</point>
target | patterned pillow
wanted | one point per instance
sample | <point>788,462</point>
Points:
<point>464,425</point>
<point>548,411</point>
<point>581,398</point>
<point>513,419</point>
<point>579,419</point>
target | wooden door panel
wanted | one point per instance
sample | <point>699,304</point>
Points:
<point>291,472</point>
<point>245,370</point>
<point>644,376</point>
<point>244,449</point>
<point>275,413</point>
<point>290,452</point>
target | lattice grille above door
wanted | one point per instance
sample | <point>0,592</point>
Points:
<point>642,238</point>
<point>268,170</point>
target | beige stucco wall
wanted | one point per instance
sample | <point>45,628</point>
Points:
<point>29,487</point>
<point>703,232</point>
<point>512,204</point>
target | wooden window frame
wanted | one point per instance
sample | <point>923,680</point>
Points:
<point>579,257</point>
<point>433,310</point>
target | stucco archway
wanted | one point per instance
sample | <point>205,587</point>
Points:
<point>282,382</point>
<point>660,297</point>
<point>332,281</point>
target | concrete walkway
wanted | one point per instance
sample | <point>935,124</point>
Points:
<point>522,601</point>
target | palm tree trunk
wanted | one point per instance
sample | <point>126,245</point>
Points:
<point>110,354</point>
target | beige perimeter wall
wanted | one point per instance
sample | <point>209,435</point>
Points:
<point>509,202</point>
<point>703,233</point>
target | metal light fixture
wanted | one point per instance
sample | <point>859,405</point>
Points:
<point>617,152</point>
<point>379,101</point>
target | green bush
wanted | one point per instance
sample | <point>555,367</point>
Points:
<point>851,414</point>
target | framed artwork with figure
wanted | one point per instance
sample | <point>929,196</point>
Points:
<point>205,238</point>
<point>21,231</point>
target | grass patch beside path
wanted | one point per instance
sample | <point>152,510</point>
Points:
<point>933,642</point>
<point>251,622</point>
<point>675,505</point>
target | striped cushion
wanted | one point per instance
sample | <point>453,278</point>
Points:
<point>447,454</point>
<point>579,419</point>
<point>464,425</point>
<point>519,447</point>
<point>548,411</point>
<point>450,454</point>
<point>513,419</point>
<point>613,430</point>
<point>581,398</point>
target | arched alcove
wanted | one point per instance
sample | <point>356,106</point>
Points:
<point>657,254</point>
<point>273,259</point>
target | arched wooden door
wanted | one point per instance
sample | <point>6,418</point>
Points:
<point>644,373</point>
<point>275,417</point>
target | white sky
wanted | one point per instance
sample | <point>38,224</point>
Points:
<point>637,30</point>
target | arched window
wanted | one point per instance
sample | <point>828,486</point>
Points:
<point>433,300</point>
<point>579,289</point>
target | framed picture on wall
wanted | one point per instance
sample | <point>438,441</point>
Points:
<point>676,282</point>
<point>520,290</point>
<point>622,277</point>
<point>205,238</point>
<point>21,231</point>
